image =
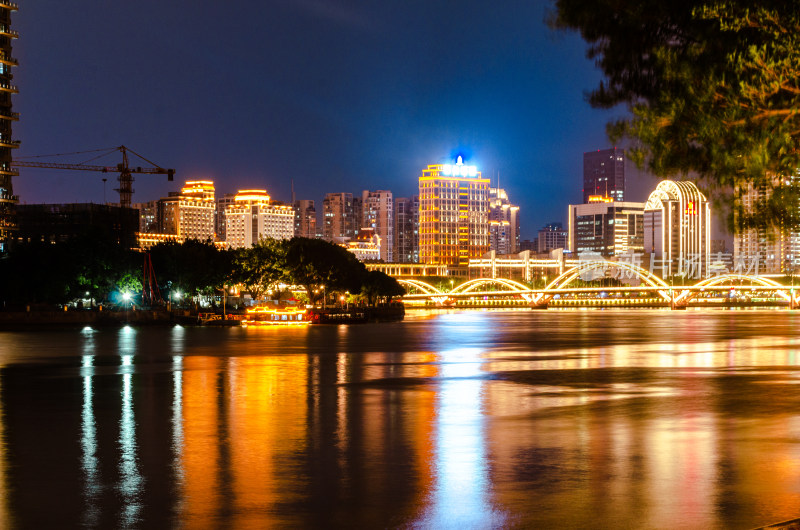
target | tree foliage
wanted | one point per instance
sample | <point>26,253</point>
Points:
<point>259,267</point>
<point>713,87</point>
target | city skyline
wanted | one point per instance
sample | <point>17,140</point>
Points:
<point>345,108</point>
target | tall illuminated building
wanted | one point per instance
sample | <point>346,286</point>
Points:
<point>7,198</point>
<point>604,174</point>
<point>338,219</point>
<point>406,229</point>
<point>677,229</point>
<point>503,223</point>
<point>252,217</point>
<point>377,213</point>
<point>453,214</point>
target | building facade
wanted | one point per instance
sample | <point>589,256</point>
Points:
<point>58,223</point>
<point>604,174</point>
<point>406,229</point>
<point>196,211</point>
<point>551,237</point>
<point>338,218</point>
<point>377,209</point>
<point>606,227</point>
<point>252,217</point>
<point>770,250</point>
<point>503,223</point>
<point>7,117</point>
<point>366,246</point>
<point>677,230</point>
<point>219,216</point>
<point>453,214</point>
<point>305,219</point>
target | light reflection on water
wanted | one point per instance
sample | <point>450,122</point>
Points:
<point>461,420</point>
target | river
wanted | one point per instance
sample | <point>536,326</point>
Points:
<point>473,419</point>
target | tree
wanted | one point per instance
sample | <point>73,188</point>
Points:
<point>713,88</point>
<point>195,267</point>
<point>378,286</point>
<point>322,266</point>
<point>261,266</point>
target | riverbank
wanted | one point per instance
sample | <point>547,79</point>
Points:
<point>35,319</point>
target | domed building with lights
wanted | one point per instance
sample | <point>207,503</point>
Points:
<point>677,230</point>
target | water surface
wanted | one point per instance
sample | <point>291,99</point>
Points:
<point>560,419</point>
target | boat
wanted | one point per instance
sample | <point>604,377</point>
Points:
<point>274,315</point>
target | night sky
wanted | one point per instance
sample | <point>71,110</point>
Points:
<point>337,95</point>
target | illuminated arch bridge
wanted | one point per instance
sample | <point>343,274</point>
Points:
<point>677,297</point>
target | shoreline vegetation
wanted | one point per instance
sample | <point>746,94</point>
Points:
<point>91,273</point>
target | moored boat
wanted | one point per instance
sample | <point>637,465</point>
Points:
<point>274,315</point>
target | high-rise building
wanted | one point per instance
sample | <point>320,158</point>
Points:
<point>766,250</point>
<point>453,214</point>
<point>606,227</point>
<point>252,217</point>
<point>337,217</point>
<point>406,229</point>
<point>503,223</point>
<point>677,230</point>
<point>604,174</point>
<point>305,219</point>
<point>377,209</point>
<point>7,198</point>
<point>551,237</point>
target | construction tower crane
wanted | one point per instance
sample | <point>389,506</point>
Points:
<point>125,171</point>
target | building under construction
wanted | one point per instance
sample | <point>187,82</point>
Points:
<point>7,117</point>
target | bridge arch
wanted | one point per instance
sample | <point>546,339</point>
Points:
<point>714,281</point>
<point>472,285</point>
<point>511,285</point>
<point>570,275</point>
<point>426,288</point>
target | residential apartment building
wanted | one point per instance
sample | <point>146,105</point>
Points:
<point>377,209</point>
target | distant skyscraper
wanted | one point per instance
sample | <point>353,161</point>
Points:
<point>305,219</point>
<point>604,174</point>
<point>7,198</point>
<point>503,223</point>
<point>406,230</point>
<point>338,218</point>
<point>252,217</point>
<point>677,229</point>
<point>453,214</point>
<point>377,210</point>
<point>606,227</point>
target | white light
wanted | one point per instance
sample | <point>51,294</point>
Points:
<point>126,296</point>
<point>460,160</point>
<point>473,171</point>
<point>447,169</point>
<point>464,170</point>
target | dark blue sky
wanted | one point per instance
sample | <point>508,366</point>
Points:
<point>337,95</point>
